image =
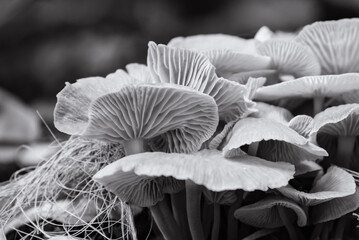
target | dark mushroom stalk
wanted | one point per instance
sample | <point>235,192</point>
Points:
<point>288,219</point>
<point>194,193</point>
<point>345,150</point>
<point>318,104</point>
<point>232,223</point>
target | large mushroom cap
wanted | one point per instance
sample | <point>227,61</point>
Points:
<point>208,168</point>
<point>183,67</point>
<point>334,209</point>
<point>336,183</point>
<point>179,117</point>
<point>215,41</point>
<point>339,120</point>
<point>310,86</point>
<point>289,57</point>
<point>278,142</point>
<point>334,43</point>
<point>264,213</point>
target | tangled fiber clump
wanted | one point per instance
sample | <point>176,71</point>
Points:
<point>67,176</point>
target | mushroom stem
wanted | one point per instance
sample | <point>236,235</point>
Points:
<point>326,230</point>
<point>165,221</point>
<point>340,227</point>
<point>261,233</point>
<point>134,146</point>
<point>232,225</point>
<point>216,221</point>
<point>288,223</point>
<point>318,103</point>
<point>345,150</point>
<point>178,201</point>
<point>193,196</point>
<point>317,231</point>
<point>253,148</point>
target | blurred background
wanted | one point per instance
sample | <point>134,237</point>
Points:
<point>45,43</point>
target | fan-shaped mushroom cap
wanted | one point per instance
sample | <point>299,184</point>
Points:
<point>142,191</point>
<point>264,213</point>
<point>223,197</point>
<point>281,143</point>
<point>335,183</point>
<point>215,41</point>
<point>207,167</point>
<point>339,120</point>
<point>289,57</point>
<point>218,139</point>
<point>302,124</point>
<point>180,118</point>
<point>311,86</point>
<point>272,112</point>
<point>229,62</point>
<point>335,43</point>
<point>334,208</point>
<point>74,101</point>
<point>183,67</point>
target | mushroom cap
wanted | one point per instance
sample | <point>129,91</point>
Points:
<point>289,57</point>
<point>306,167</point>
<point>228,62</point>
<point>280,143</point>
<point>206,167</point>
<point>335,183</point>
<point>140,72</point>
<point>270,75</point>
<point>310,86</point>
<point>334,208</point>
<point>191,69</point>
<point>272,112</point>
<point>264,213</point>
<point>339,120</point>
<point>142,191</point>
<point>205,42</point>
<point>219,138</point>
<point>302,124</point>
<point>177,117</point>
<point>334,43</point>
<point>74,101</point>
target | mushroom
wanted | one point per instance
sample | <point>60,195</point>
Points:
<point>183,67</point>
<point>334,43</point>
<point>289,57</point>
<point>341,122</point>
<point>302,124</point>
<point>335,183</point>
<point>207,168</point>
<point>316,87</point>
<point>273,212</point>
<point>272,112</point>
<point>271,140</point>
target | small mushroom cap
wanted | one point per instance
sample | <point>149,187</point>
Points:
<point>272,112</point>
<point>289,57</point>
<point>219,138</point>
<point>208,168</point>
<point>334,43</point>
<point>334,208</point>
<point>310,86</point>
<point>191,69</point>
<point>281,143</point>
<point>307,167</point>
<point>223,198</point>
<point>264,34</point>
<point>140,72</point>
<point>142,191</point>
<point>229,62</point>
<point>176,116</point>
<point>302,124</point>
<point>270,75</point>
<point>335,183</point>
<point>339,120</point>
<point>264,213</point>
<point>215,41</point>
<point>74,101</point>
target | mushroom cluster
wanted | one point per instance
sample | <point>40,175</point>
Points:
<point>218,137</point>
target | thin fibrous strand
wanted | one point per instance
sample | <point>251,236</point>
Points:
<point>70,171</point>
